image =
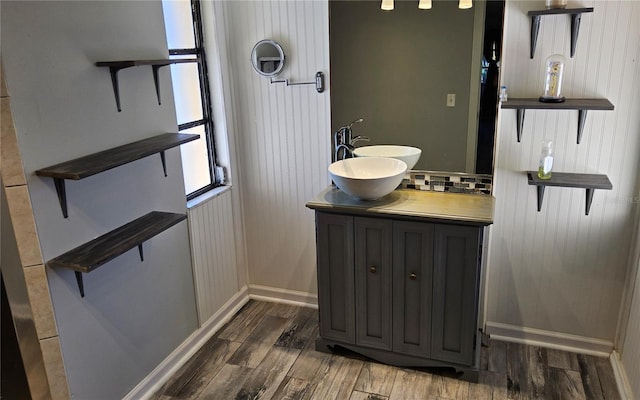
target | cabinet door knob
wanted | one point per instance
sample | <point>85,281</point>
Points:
<point>373,269</point>
<point>413,276</point>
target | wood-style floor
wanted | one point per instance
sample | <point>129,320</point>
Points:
<point>268,352</point>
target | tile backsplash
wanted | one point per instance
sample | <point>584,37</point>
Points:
<point>438,181</point>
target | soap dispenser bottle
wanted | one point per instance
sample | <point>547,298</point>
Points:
<point>546,160</point>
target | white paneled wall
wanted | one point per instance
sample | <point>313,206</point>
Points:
<point>559,271</point>
<point>282,135</point>
<point>631,348</point>
<point>211,233</point>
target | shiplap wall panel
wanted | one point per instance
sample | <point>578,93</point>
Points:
<point>211,233</point>
<point>559,270</point>
<point>631,348</point>
<point>283,136</point>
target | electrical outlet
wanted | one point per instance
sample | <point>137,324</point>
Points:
<point>451,100</point>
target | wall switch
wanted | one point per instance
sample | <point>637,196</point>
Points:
<point>451,100</point>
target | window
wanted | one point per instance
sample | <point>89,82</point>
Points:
<point>183,23</point>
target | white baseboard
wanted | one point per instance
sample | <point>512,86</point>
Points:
<point>170,365</point>
<point>549,339</point>
<point>622,381</point>
<point>293,297</point>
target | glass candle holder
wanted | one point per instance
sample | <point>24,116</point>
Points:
<point>553,73</point>
<point>549,4</point>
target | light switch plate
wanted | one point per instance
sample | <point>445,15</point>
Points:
<point>451,100</point>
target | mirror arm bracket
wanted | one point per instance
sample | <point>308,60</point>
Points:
<point>319,82</point>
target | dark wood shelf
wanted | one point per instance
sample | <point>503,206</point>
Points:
<point>590,182</point>
<point>92,164</point>
<point>582,105</point>
<point>116,66</point>
<point>97,252</point>
<point>576,15</point>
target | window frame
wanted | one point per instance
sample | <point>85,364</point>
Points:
<point>205,98</point>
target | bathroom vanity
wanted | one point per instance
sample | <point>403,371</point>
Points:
<point>399,277</point>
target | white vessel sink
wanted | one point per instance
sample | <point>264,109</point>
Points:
<point>367,178</point>
<point>410,155</point>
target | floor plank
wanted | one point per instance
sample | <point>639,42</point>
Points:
<point>376,378</point>
<point>226,383</point>
<point>491,385</point>
<point>200,369</point>
<point>294,389</point>
<point>607,380</point>
<point>300,329</point>
<point>497,361</point>
<point>357,395</point>
<point>590,379</point>
<point>311,365</point>
<point>565,384</point>
<point>537,371</point>
<point>410,385</point>
<point>562,359</point>
<point>259,342</point>
<point>517,371</point>
<point>241,326</point>
<point>268,352</point>
<point>339,379</point>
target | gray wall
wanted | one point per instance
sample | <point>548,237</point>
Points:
<point>134,313</point>
<point>395,70</point>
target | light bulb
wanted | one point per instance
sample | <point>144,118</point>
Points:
<point>387,5</point>
<point>424,4</point>
<point>465,4</point>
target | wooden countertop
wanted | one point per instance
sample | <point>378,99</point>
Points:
<point>415,204</point>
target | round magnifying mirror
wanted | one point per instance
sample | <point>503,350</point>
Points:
<point>267,58</point>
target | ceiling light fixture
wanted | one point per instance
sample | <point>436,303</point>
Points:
<point>464,4</point>
<point>424,4</point>
<point>387,5</point>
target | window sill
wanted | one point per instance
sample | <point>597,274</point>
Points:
<point>205,197</point>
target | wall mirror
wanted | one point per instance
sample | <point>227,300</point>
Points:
<point>399,69</point>
<point>267,58</point>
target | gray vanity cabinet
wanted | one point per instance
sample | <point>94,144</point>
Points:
<point>412,287</point>
<point>336,277</point>
<point>402,292</point>
<point>455,292</point>
<point>373,282</point>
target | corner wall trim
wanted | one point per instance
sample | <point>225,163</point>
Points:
<point>549,339</point>
<point>286,296</point>
<point>619,372</point>
<point>170,365</point>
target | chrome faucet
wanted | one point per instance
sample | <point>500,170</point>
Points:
<point>343,141</point>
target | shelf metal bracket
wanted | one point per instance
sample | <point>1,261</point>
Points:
<point>319,82</point>
<point>540,190</point>
<point>535,28</point>
<point>582,116</point>
<point>156,81</point>
<point>575,28</point>
<point>62,195</point>
<point>589,200</point>
<point>113,71</point>
<point>80,283</point>
<point>520,123</point>
<point>164,163</point>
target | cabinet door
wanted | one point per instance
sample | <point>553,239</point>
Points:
<point>455,292</point>
<point>373,282</point>
<point>336,297</point>
<point>412,282</point>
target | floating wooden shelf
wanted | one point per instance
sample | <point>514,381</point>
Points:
<point>582,105</point>
<point>116,66</point>
<point>93,254</point>
<point>92,164</point>
<point>565,179</point>
<point>576,15</point>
